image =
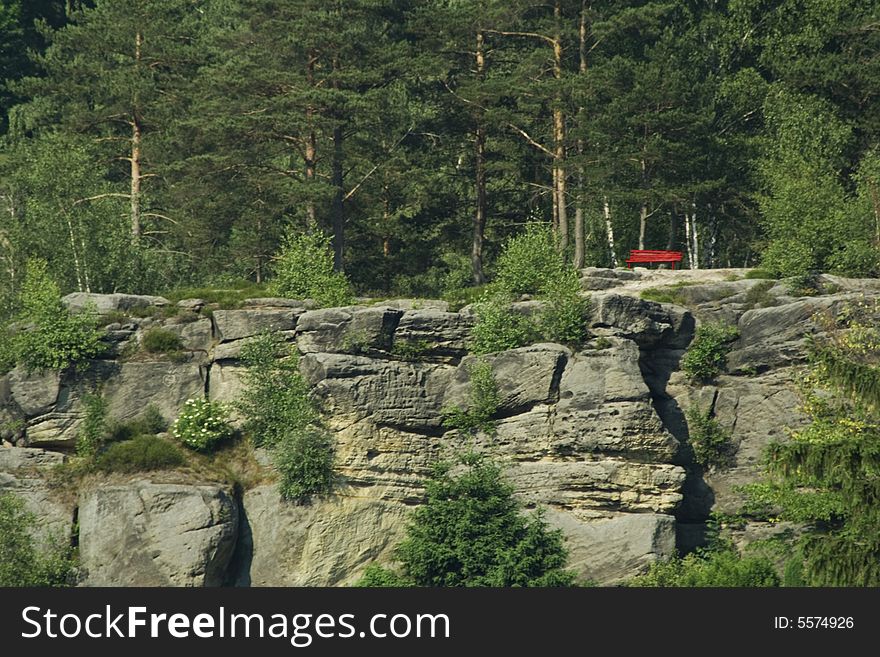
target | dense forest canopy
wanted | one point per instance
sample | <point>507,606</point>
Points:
<point>149,144</point>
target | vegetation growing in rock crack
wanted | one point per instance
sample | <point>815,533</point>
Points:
<point>483,402</point>
<point>530,263</point>
<point>709,441</point>
<point>706,357</point>
<point>281,414</point>
<point>161,341</point>
<point>471,531</point>
<point>24,560</point>
<point>825,475</point>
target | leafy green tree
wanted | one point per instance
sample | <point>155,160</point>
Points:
<point>304,270</point>
<point>471,532</point>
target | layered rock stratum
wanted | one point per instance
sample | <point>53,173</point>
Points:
<point>594,437</point>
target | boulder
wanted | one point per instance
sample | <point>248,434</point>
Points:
<point>238,324</point>
<point>605,407</point>
<point>612,550</point>
<point>392,393</point>
<point>106,303</point>
<point>524,377</point>
<point>195,336</point>
<point>130,387</point>
<point>647,323</point>
<point>225,382</point>
<point>352,330</point>
<point>325,543</point>
<point>432,333</point>
<point>33,392</point>
<point>279,302</point>
<point>151,534</point>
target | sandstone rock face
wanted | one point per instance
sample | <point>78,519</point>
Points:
<point>147,534</point>
<point>326,543</point>
<point>130,387</point>
<point>351,330</point>
<point>596,437</point>
<point>238,324</point>
<point>22,473</point>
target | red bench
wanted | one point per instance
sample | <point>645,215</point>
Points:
<point>646,256</point>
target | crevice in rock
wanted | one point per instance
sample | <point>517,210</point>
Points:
<point>238,571</point>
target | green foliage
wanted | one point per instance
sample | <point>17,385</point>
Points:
<point>707,355</point>
<point>150,423</point>
<point>22,561</point>
<point>225,297</point>
<point>280,413</point>
<point>710,568</point>
<point>482,405</point>
<point>202,425</point>
<point>411,349</point>
<point>709,441</point>
<point>470,532</point>
<point>666,294</point>
<point>51,337</point>
<point>275,399</point>
<point>304,270</point>
<point>375,576</point>
<point>530,263</point>
<point>140,454</point>
<point>759,295</point>
<point>304,459</point>
<point>161,341</point>
<point>498,327</point>
<point>826,475</point>
<point>93,429</point>
<point>759,273</point>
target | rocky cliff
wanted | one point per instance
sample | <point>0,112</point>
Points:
<point>596,437</point>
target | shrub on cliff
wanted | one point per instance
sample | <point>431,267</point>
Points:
<point>471,532</point>
<point>304,270</point>
<point>722,567</point>
<point>706,358</point>
<point>202,425</point>
<point>22,561</point>
<point>530,263</point>
<point>49,336</point>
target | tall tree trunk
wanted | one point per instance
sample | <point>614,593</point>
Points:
<point>337,210</point>
<point>643,223</point>
<point>673,231</point>
<point>136,138</point>
<point>579,249</point>
<point>311,146</point>
<point>559,168</point>
<point>687,238</point>
<point>479,221</point>
<point>695,236</point>
<point>609,230</point>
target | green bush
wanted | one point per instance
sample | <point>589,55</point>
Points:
<point>93,429</point>
<point>710,568</point>
<point>22,562</point>
<point>149,423</point>
<point>471,532</point>
<point>202,425</point>
<point>498,327</point>
<point>482,404</point>
<point>305,462</point>
<point>51,337</point>
<point>709,441</point>
<point>707,355</point>
<point>141,454</point>
<point>161,341</point>
<point>304,270</point>
<point>530,263</point>
<point>857,259</point>
<point>760,274</point>
<point>275,399</point>
<point>375,576</point>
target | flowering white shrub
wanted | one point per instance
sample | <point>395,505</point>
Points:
<point>202,424</point>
